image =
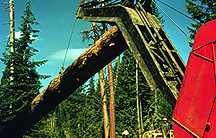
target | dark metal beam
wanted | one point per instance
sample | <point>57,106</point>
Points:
<point>148,43</point>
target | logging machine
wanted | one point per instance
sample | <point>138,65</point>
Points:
<point>134,28</point>
<point>195,108</point>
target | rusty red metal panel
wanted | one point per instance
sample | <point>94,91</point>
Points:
<point>195,110</point>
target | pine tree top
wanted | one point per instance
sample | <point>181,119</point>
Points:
<point>202,11</point>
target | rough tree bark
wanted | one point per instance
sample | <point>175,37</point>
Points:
<point>104,103</point>
<point>12,35</point>
<point>112,102</point>
<point>11,26</point>
<point>89,63</point>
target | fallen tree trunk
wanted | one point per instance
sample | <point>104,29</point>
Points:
<point>89,63</point>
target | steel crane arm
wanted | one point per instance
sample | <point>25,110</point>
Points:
<point>147,41</point>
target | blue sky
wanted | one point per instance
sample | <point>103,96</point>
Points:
<point>56,19</point>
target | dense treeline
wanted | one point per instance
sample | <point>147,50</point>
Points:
<point>81,114</point>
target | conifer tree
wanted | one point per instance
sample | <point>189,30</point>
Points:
<point>201,11</point>
<point>17,94</point>
<point>126,96</point>
<point>89,122</point>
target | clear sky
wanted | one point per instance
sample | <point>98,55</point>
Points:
<point>56,19</point>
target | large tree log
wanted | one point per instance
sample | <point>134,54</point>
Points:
<point>89,63</point>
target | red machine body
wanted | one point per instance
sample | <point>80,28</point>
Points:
<point>195,110</point>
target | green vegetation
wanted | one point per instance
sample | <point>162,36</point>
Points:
<point>81,114</point>
<point>20,82</point>
<point>201,11</point>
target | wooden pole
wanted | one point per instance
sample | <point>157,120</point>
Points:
<point>112,102</point>
<point>104,104</point>
<point>11,35</point>
<point>102,85</point>
<point>11,26</point>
